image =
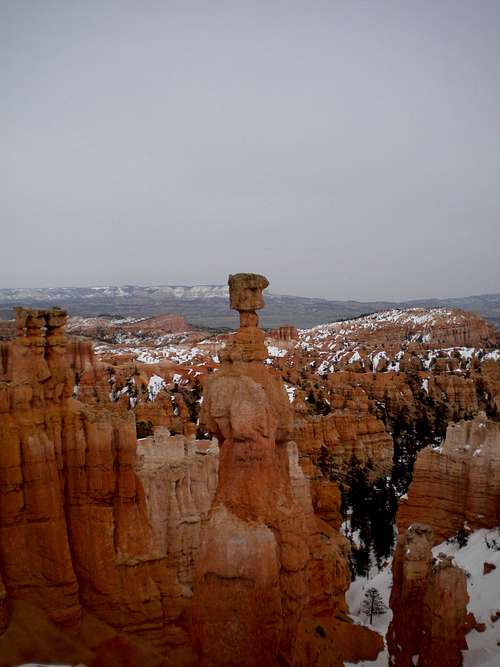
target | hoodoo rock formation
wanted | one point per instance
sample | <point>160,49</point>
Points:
<point>429,604</point>
<point>75,529</point>
<point>270,577</point>
<point>170,550</point>
<point>285,333</point>
<point>458,483</point>
<point>227,550</point>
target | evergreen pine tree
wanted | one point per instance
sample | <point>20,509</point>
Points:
<point>361,561</point>
<point>373,604</point>
<point>382,511</point>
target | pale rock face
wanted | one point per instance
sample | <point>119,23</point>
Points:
<point>459,483</point>
<point>240,619</point>
<point>300,483</point>
<point>179,478</point>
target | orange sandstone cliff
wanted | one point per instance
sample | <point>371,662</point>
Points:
<point>75,533</point>
<point>457,483</point>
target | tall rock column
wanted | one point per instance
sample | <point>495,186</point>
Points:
<point>32,516</point>
<point>269,573</point>
<point>429,604</point>
<point>239,605</point>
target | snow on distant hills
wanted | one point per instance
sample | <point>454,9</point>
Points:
<point>52,294</point>
<point>207,305</point>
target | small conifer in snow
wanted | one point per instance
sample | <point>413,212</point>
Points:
<point>373,604</point>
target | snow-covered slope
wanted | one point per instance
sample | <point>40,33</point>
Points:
<point>382,581</point>
<point>484,594</point>
<point>484,603</point>
<point>380,340</point>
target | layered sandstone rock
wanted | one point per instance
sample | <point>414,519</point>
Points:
<point>415,370</point>
<point>490,386</point>
<point>179,478</point>
<point>348,431</point>
<point>35,388</point>
<point>286,333</point>
<point>364,437</point>
<point>429,604</point>
<point>409,397</point>
<point>268,573</point>
<point>72,502</point>
<point>457,483</point>
<point>345,434</point>
<point>115,528</point>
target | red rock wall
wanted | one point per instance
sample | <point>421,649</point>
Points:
<point>344,434</point>
<point>72,502</point>
<point>458,482</point>
<point>287,332</point>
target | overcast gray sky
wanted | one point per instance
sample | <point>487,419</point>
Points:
<point>344,149</point>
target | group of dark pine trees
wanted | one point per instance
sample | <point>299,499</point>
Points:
<point>368,511</point>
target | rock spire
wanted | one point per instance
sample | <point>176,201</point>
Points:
<point>269,572</point>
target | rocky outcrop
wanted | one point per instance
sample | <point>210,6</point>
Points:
<point>490,387</point>
<point>409,398</point>
<point>269,573</point>
<point>399,340</point>
<point>458,483</point>
<point>73,501</point>
<point>285,332</point>
<point>35,405</point>
<point>364,437</point>
<point>343,435</point>
<point>179,478</point>
<point>348,431</point>
<point>165,539</point>
<point>7,329</point>
<point>415,370</point>
<point>429,604</point>
<point>109,329</point>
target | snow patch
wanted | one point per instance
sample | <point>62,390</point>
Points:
<point>155,385</point>
<point>274,351</point>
